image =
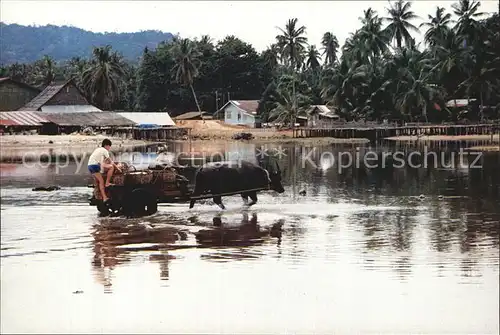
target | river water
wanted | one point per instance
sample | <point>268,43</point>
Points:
<point>365,250</point>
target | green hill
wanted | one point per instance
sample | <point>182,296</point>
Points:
<point>25,44</point>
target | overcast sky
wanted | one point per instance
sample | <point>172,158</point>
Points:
<point>253,21</point>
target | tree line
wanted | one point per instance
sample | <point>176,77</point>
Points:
<point>379,73</point>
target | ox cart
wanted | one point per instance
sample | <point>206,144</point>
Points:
<point>138,192</point>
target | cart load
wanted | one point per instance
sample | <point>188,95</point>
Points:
<point>139,191</point>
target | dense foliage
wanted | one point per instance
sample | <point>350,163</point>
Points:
<point>26,44</point>
<point>379,72</point>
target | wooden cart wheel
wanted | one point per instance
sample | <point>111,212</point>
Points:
<point>152,207</point>
<point>140,202</point>
<point>103,209</point>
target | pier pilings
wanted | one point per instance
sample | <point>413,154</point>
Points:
<point>377,133</point>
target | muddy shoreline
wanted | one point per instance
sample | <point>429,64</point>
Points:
<point>56,141</point>
<point>42,141</point>
<point>14,147</point>
<point>52,141</point>
<point>82,141</point>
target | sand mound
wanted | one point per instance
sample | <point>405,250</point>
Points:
<point>215,129</point>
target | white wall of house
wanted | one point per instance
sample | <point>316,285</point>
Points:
<point>234,115</point>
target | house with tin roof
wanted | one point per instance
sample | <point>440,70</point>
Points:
<point>239,112</point>
<point>60,98</point>
<point>15,94</point>
<point>320,116</point>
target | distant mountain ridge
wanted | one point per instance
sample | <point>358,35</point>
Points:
<point>26,44</point>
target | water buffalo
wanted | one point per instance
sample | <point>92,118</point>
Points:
<point>227,177</point>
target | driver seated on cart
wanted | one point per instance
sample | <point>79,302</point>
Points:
<point>100,163</point>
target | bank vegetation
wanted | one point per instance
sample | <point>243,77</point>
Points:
<point>379,73</point>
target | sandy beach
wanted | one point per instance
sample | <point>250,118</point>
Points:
<point>216,130</point>
<point>211,130</point>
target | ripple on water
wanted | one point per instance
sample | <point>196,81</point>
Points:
<point>26,197</point>
<point>43,229</point>
<point>304,252</point>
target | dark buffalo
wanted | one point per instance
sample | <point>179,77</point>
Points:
<point>238,177</point>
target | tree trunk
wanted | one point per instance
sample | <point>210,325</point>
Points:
<point>196,100</point>
<point>294,117</point>
<point>481,115</point>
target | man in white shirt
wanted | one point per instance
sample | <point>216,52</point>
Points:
<point>99,163</point>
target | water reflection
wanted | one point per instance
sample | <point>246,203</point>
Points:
<point>117,241</point>
<point>313,167</point>
<point>246,233</point>
<point>241,237</point>
<point>398,236</point>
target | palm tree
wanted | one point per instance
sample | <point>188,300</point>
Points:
<point>292,44</point>
<point>330,46</point>
<point>484,72</point>
<point>368,15</point>
<point>102,80</point>
<point>414,89</point>
<point>354,49</point>
<point>453,60</point>
<point>438,27</point>
<point>19,72</point>
<point>418,94</point>
<point>341,85</point>
<point>271,56</point>
<point>399,26</point>
<point>45,71</point>
<point>187,63</point>
<point>411,83</point>
<point>287,105</point>
<point>380,91</point>
<point>466,11</point>
<point>408,62</point>
<point>313,58</point>
<point>369,41</point>
<point>77,67</point>
<point>373,39</point>
<point>485,80</point>
<point>206,40</point>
